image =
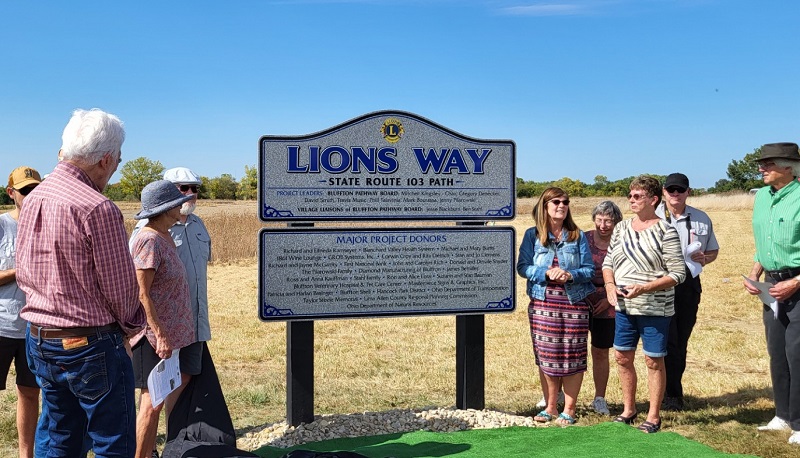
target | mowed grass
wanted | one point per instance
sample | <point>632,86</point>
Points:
<point>380,364</point>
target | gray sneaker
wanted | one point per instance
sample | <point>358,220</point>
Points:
<point>600,406</point>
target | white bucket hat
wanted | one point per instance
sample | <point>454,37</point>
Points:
<point>182,175</point>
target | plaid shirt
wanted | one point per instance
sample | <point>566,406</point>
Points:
<point>72,256</point>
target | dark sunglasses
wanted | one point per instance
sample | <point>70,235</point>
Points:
<point>26,190</point>
<point>558,202</point>
<point>636,196</point>
<point>186,187</point>
<point>674,189</point>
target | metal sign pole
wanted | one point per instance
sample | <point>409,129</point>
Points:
<point>470,358</point>
<point>299,367</point>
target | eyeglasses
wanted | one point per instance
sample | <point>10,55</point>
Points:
<point>186,187</point>
<point>674,189</point>
<point>558,202</point>
<point>636,196</point>
<point>26,190</point>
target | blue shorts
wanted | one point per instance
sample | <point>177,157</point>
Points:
<point>652,329</point>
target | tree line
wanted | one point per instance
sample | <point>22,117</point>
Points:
<point>742,175</point>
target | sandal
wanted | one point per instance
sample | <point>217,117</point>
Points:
<point>565,419</point>
<point>650,427</point>
<point>542,417</point>
<point>626,420</point>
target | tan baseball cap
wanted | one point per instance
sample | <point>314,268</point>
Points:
<point>23,176</point>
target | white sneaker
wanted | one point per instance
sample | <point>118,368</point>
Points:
<point>543,402</point>
<point>777,424</point>
<point>600,406</point>
<point>795,438</point>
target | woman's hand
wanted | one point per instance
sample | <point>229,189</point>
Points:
<point>163,345</point>
<point>611,294</point>
<point>631,291</point>
<point>558,275</point>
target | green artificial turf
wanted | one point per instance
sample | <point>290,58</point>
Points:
<point>604,440</point>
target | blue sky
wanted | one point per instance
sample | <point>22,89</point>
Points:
<point>584,87</point>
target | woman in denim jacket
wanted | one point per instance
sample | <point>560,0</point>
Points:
<point>555,258</point>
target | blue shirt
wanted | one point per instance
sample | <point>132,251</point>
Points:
<point>575,257</point>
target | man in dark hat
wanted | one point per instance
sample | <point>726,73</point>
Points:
<point>776,228</point>
<point>694,227</point>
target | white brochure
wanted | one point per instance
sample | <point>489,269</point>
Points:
<point>164,378</point>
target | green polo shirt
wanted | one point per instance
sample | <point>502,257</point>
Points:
<point>776,227</point>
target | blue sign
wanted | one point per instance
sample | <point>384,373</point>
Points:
<point>331,273</point>
<point>387,165</point>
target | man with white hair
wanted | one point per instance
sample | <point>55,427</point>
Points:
<point>194,248</point>
<point>82,296</point>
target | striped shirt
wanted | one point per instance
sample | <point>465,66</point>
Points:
<point>72,256</point>
<point>644,256</point>
<point>776,227</point>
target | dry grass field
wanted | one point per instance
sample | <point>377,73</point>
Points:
<point>379,364</point>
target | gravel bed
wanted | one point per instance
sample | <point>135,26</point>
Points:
<point>374,423</point>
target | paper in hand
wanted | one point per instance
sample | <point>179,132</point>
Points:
<point>694,267</point>
<point>763,294</point>
<point>164,378</point>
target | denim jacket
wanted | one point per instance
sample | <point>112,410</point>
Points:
<point>574,257</point>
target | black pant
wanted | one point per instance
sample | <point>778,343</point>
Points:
<point>687,300</point>
<point>783,346</point>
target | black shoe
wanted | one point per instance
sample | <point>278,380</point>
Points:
<point>674,404</point>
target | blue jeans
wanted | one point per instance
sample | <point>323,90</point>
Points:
<point>43,437</point>
<point>88,389</point>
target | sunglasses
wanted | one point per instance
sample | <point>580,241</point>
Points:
<point>186,187</point>
<point>558,202</point>
<point>674,189</point>
<point>636,196</point>
<point>26,190</point>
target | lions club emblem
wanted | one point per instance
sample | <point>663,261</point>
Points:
<point>392,130</point>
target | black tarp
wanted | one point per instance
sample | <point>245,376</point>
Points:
<point>200,424</point>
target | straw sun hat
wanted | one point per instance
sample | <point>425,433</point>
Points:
<point>158,197</point>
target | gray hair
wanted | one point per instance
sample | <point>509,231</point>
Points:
<point>91,134</point>
<point>608,208</point>
<point>794,165</point>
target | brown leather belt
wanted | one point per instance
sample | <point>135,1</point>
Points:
<point>61,333</point>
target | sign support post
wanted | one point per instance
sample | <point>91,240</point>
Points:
<point>470,351</point>
<point>299,372</point>
<point>299,367</point>
<point>470,356</point>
